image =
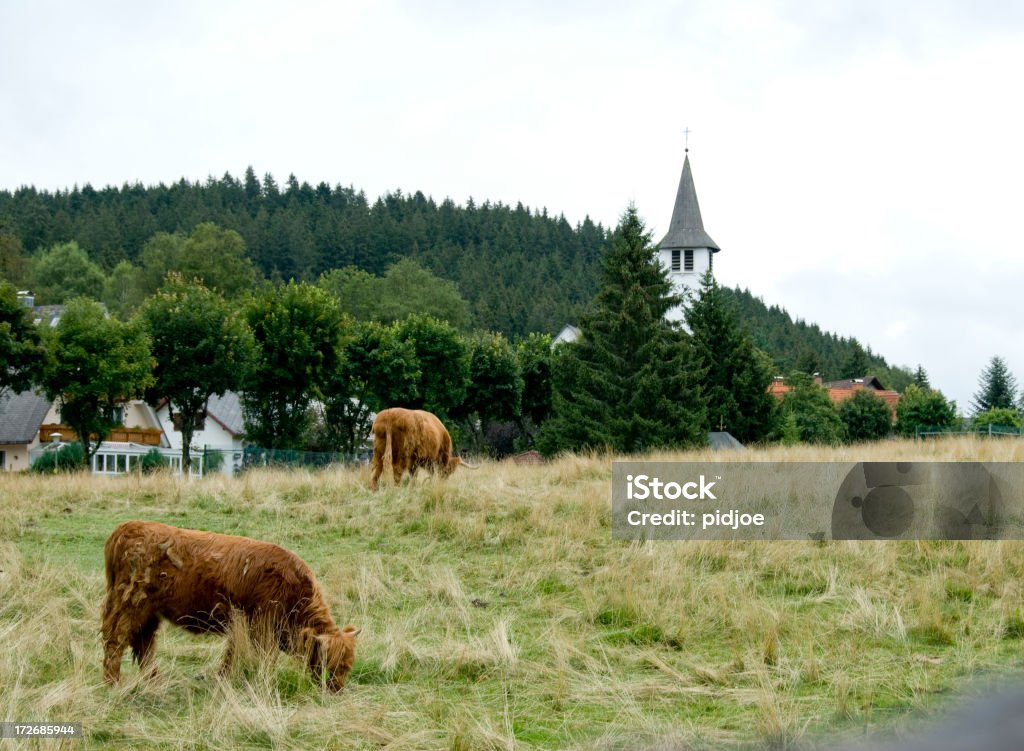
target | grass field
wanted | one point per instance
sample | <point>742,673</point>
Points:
<point>497,612</point>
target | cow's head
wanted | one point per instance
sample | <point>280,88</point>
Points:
<point>456,461</point>
<point>331,655</point>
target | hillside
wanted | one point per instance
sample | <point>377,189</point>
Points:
<point>795,344</point>
<point>520,270</point>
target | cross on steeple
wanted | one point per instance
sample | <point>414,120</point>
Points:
<point>687,132</point>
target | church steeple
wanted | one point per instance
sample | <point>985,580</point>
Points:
<point>686,230</point>
<point>687,250</point>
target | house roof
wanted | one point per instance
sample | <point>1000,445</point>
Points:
<point>724,440</point>
<point>849,383</point>
<point>686,230</point>
<point>227,410</point>
<point>21,415</point>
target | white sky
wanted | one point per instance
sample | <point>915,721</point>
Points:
<point>858,162</point>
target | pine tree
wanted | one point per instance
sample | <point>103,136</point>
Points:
<point>856,364</point>
<point>997,388</point>
<point>921,378</point>
<point>736,380</point>
<point>632,382</point>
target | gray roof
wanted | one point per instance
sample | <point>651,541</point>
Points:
<point>21,415</point>
<point>227,410</point>
<point>686,230</point>
<point>724,440</point>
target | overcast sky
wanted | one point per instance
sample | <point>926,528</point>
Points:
<point>859,163</point>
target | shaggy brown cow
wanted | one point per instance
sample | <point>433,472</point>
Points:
<point>198,580</point>
<point>408,439</point>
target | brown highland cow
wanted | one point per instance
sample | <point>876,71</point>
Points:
<point>199,581</point>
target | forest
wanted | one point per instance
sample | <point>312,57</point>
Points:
<point>519,270</point>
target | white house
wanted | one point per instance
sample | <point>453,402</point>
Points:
<point>220,431</point>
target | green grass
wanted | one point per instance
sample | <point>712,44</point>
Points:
<point>497,612</point>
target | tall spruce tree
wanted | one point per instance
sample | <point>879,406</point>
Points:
<point>736,380</point>
<point>632,382</point>
<point>997,388</point>
<point>921,378</point>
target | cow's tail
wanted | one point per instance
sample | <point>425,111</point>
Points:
<point>387,464</point>
<point>111,553</point>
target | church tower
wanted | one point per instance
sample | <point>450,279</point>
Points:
<point>687,251</point>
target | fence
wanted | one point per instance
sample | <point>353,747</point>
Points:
<point>255,456</point>
<point>989,431</point>
<point>113,459</point>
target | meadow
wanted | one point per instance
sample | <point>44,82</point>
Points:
<point>497,612</point>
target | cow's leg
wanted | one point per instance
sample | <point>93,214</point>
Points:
<point>142,646</point>
<point>378,467</point>
<point>121,627</point>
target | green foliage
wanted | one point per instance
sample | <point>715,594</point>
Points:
<point>856,364</point>
<point>216,257</point>
<point>152,461</point>
<point>68,458</point>
<point>631,383</point>
<point>21,352</point>
<point>534,357</point>
<point>378,369</point>
<point>443,360</point>
<point>790,430</point>
<point>920,409</point>
<point>298,330</point>
<point>211,254</point>
<point>405,289</point>
<point>997,417</point>
<point>14,264</point>
<point>123,290</point>
<point>495,384</point>
<point>65,271</point>
<point>95,363</point>
<point>997,388</point>
<point>202,347</point>
<point>921,378</point>
<point>808,406</point>
<point>804,347</point>
<point>736,379</point>
<point>865,416</point>
<point>495,388</point>
<point>519,270</point>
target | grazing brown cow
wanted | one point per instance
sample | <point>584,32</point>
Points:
<point>408,439</point>
<point>199,580</point>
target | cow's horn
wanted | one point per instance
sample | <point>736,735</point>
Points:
<point>467,465</point>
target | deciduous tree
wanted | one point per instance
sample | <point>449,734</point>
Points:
<point>95,364</point>
<point>21,352</point>
<point>920,409</point>
<point>816,418</point>
<point>202,347</point>
<point>865,416</point>
<point>65,271</point>
<point>297,328</point>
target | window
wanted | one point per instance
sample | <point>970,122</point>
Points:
<point>3,460</point>
<point>711,261</point>
<point>689,261</point>
<point>675,260</point>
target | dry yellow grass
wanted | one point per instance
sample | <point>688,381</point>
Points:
<point>497,612</point>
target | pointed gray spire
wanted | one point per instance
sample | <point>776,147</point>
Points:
<point>686,230</point>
